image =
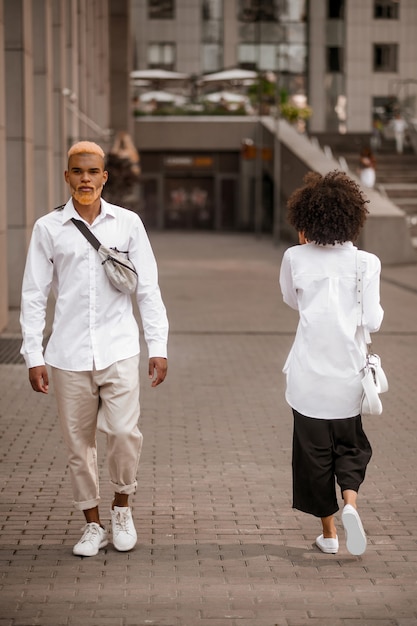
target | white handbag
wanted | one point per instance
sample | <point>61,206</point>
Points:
<point>374,380</point>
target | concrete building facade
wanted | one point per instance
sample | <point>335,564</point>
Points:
<point>64,76</point>
<point>361,60</point>
<point>349,57</point>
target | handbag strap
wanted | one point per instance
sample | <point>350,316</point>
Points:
<point>87,233</point>
<point>359,300</point>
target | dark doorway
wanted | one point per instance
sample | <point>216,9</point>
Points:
<point>189,203</point>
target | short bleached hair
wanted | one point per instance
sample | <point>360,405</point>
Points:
<point>86,147</point>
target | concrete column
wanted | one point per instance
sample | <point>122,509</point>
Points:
<point>4,300</point>
<point>19,137</point>
<point>43,103</point>
<point>103,70</point>
<point>97,63</point>
<point>72,69</point>
<point>317,65</point>
<point>83,51</point>
<point>61,18</point>
<point>120,65</point>
<point>230,33</point>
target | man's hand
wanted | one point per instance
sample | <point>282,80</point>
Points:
<point>157,370</point>
<point>38,377</point>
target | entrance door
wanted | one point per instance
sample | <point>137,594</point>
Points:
<point>188,203</point>
<point>228,203</point>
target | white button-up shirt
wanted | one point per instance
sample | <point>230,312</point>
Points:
<point>94,324</point>
<point>323,368</point>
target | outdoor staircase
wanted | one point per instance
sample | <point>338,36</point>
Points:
<point>396,178</point>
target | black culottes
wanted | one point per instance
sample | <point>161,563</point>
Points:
<point>322,451</point>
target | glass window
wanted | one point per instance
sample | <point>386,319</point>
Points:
<point>272,11</point>
<point>334,59</point>
<point>283,57</point>
<point>385,57</point>
<point>212,10</point>
<point>161,55</point>
<point>294,11</point>
<point>258,10</point>
<point>161,9</point>
<point>386,9</point>
<point>212,35</point>
<point>211,57</point>
<point>248,56</point>
<point>335,9</point>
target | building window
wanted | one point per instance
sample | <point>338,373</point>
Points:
<point>212,10</point>
<point>258,10</point>
<point>385,57</point>
<point>212,35</point>
<point>334,59</point>
<point>161,9</point>
<point>161,55</point>
<point>335,9</point>
<point>386,9</point>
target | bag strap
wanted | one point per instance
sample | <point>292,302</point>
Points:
<point>87,233</point>
<point>359,300</point>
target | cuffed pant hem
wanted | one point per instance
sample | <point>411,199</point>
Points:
<point>351,487</point>
<point>87,504</point>
<point>126,489</point>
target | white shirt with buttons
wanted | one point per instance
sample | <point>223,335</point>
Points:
<point>324,366</point>
<point>94,325</point>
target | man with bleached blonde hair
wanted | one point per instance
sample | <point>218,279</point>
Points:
<point>93,351</point>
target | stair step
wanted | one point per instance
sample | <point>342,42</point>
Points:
<point>402,202</point>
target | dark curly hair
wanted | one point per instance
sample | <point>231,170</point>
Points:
<point>328,209</point>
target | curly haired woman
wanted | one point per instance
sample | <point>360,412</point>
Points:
<point>324,366</point>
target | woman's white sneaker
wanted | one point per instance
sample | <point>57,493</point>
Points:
<point>94,538</point>
<point>355,534</point>
<point>123,528</point>
<point>327,544</point>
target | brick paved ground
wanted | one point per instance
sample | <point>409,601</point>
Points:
<point>219,544</point>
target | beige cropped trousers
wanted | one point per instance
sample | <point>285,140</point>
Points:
<point>107,401</point>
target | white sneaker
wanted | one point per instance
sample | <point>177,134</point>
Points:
<point>329,545</point>
<point>94,538</point>
<point>355,534</point>
<point>123,528</point>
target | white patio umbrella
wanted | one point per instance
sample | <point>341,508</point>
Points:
<point>157,75</point>
<point>161,96</point>
<point>138,82</point>
<point>226,96</point>
<point>232,75</point>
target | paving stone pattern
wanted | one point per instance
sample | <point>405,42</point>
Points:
<point>219,543</point>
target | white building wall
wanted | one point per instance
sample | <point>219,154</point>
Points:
<point>316,60</point>
<point>19,81</point>
<point>184,31</point>
<point>49,49</point>
<point>362,83</point>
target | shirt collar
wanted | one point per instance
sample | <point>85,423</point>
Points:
<point>345,244</point>
<point>69,211</point>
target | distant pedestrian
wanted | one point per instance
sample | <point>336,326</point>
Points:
<point>399,126</point>
<point>324,367</point>
<point>93,351</point>
<point>367,168</point>
<point>376,138</point>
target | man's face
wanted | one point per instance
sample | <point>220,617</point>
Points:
<point>85,177</point>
